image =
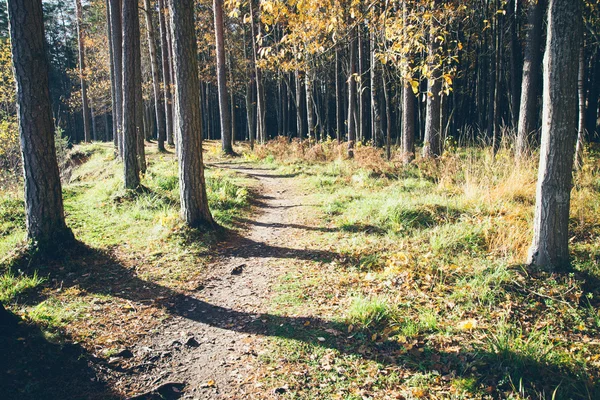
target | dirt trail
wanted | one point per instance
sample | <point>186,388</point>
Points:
<point>208,345</point>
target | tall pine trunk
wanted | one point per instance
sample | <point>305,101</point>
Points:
<point>116,30</point>
<point>431,145</point>
<point>188,125</point>
<point>224,111</point>
<point>550,248</point>
<point>352,125</point>
<point>166,71</point>
<point>130,123</point>
<point>87,117</point>
<point>528,112</point>
<point>45,219</point>
<point>158,103</point>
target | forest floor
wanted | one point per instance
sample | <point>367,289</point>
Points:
<point>328,279</point>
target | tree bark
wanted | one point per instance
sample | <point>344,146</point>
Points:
<point>261,130</point>
<point>224,112</point>
<point>550,248</point>
<point>87,118</point>
<point>299,102</point>
<point>45,220</point>
<point>376,130</point>
<point>192,186</point>
<point>352,97</point>
<point>339,102</point>
<point>581,110</point>
<point>408,123</point>
<point>310,107</point>
<point>166,72</point>
<point>158,103</point>
<point>528,113</point>
<point>113,88</point>
<point>431,145</point>
<point>130,122</point>
<point>117,50</point>
<point>139,99</point>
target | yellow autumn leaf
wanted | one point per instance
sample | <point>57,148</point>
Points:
<point>467,325</point>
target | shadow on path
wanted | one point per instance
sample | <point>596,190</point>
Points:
<point>98,272</point>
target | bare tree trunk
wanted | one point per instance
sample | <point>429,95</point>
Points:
<point>192,187</point>
<point>232,101</point>
<point>550,247</point>
<point>431,145</point>
<point>117,42</point>
<point>408,123</point>
<point>45,219</point>
<point>166,71</point>
<point>299,119</point>
<point>376,130</point>
<point>224,112</point>
<point>339,102</point>
<point>388,117</point>
<point>130,122</point>
<point>352,96</point>
<point>310,110</point>
<point>158,104</point>
<point>260,94</point>
<point>113,87</point>
<point>139,99</point>
<point>581,104</point>
<point>87,128</point>
<point>528,114</point>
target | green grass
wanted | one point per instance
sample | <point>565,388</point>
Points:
<point>368,312</point>
<point>12,285</point>
<point>55,314</point>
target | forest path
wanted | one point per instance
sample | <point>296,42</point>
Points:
<point>212,338</point>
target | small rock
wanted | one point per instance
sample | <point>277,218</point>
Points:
<point>192,342</point>
<point>125,353</point>
<point>280,390</point>
<point>238,270</point>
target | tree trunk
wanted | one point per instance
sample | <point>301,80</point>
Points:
<point>550,248</point>
<point>130,123</point>
<point>117,42</point>
<point>113,87</point>
<point>192,187</point>
<point>388,117</point>
<point>45,218</point>
<point>528,113</point>
<point>310,110</point>
<point>158,104</point>
<point>166,71</point>
<point>87,118</point>
<point>431,145</point>
<point>260,94</point>
<point>591,116</point>
<point>139,99</point>
<point>375,113</point>
<point>299,119</point>
<point>352,96</point>
<point>408,123</point>
<point>581,109</point>
<point>339,102</point>
<point>224,112</point>
<point>232,101</point>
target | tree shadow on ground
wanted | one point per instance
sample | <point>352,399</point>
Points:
<point>32,367</point>
<point>96,271</point>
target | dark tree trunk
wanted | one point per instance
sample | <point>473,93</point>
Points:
<point>87,118</point>
<point>45,219</point>
<point>113,87</point>
<point>299,103</point>
<point>408,123</point>
<point>158,102</point>
<point>260,93</point>
<point>166,72</point>
<point>528,112</point>
<point>139,99</point>
<point>117,42</point>
<point>375,112</point>
<point>130,123</point>
<point>591,117</point>
<point>431,145</point>
<point>352,96</point>
<point>388,117</point>
<point>192,186</point>
<point>224,112</point>
<point>550,248</point>
<point>339,90</point>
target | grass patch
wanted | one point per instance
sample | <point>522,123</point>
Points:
<point>12,285</point>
